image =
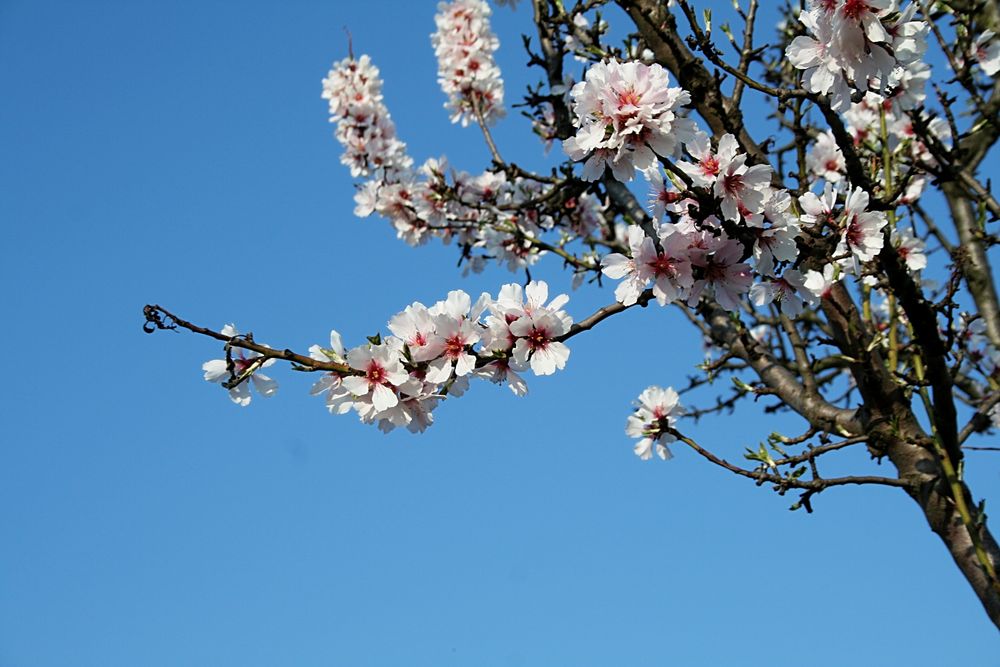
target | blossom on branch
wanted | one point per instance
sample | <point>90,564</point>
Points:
<point>656,412</point>
<point>986,51</point>
<point>825,160</point>
<point>338,398</point>
<point>627,114</point>
<point>464,44</point>
<point>855,45</point>
<point>245,365</point>
<point>669,268</point>
<point>861,233</point>
<point>364,126</point>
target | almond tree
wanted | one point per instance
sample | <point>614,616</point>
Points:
<point>803,257</point>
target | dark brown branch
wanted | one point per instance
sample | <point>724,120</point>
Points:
<point>154,319</point>
<point>783,482</point>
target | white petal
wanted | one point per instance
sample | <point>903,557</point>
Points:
<point>266,387</point>
<point>616,266</point>
<point>644,449</point>
<point>240,394</point>
<point>215,370</point>
<point>383,398</point>
<point>438,371</point>
<point>465,365</point>
<point>356,384</point>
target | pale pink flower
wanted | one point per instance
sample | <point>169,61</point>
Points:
<point>709,165</point>
<point>986,51</point>
<point>820,284</point>
<point>861,229</point>
<point>626,269</point>
<point>825,160</point>
<point>776,231</point>
<point>722,270</point>
<point>415,327</point>
<point>911,248</point>
<point>788,291</point>
<point>216,370</point>
<point>670,270</point>
<point>536,345</point>
<point>464,44</point>
<point>382,371</point>
<point>663,196</point>
<point>627,114</point>
<point>512,299</point>
<point>459,335</point>
<point>741,188</point>
<point>338,398</point>
<point>656,412</point>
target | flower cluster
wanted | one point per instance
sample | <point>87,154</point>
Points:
<point>431,353</point>
<point>711,235</point>
<point>627,114</point>
<point>688,264</point>
<point>489,216</point>
<point>864,121</point>
<point>464,46</point>
<point>653,420</point>
<point>691,252</point>
<point>860,236</point>
<point>858,44</point>
<point>364,126</point>
<point>740,188</point>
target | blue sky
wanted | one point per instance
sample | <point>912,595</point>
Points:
<point>179,153</point>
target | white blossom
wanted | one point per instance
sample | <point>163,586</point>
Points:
<point>656,411</point>
<point>244,361</point>
<point>627,114</point>
<point>464,44</point>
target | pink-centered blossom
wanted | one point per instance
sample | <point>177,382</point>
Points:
<point>986,51</point>
<point>668,268</point>
<point>524,326</point>
<point>861,229</point>
<point>723,272</point>
<point>857,44</point>
<point>243,361</point>
<point>415,326</point>
<point>788,291</point>
<point>657,410</point>
<point>825,160</point>
<point>536,342</point>
<point>627,114</point>
<point>910,248</point>
<point>330,385</point>
<point>705,171</point>
<point>382,370</point>
<point>740,187</point>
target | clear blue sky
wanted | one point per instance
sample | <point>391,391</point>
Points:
<point>179,152</point>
